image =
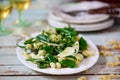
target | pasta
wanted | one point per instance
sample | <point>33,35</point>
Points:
<point>57,48</point>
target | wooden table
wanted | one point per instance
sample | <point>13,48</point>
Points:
<point>12,69</point>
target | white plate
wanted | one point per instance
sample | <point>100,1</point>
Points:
<point>58,13</point>
<point>84,65</point>
<point>83,5</point>
<point>83,18</point>
<point>83,27</point>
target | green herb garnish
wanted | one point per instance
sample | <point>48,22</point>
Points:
<point>83,44</point>
<point>68,63</point>
<point>43,38</point>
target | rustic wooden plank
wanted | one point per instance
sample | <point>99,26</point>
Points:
<point>8,56</point>
<point>68,77</point>
<point>38,78</point>
<point>8,41</point>
<point>23,70</point>
<point>5,60</point>
<point>97,37</point>
<point>11,60</point>
<point>100,39</point>
<point>11,50</point>
<point>42,77</point>
<point>7,51</point>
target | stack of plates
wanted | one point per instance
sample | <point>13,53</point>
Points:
<point>81,21</point>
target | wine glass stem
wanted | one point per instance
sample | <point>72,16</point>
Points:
<point>20,16</point>
<point>2,28</point>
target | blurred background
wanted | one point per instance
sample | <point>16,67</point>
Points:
<point>39,10</point>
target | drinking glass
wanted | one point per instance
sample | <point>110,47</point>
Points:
<point>5,10</point>
<point>21,5</point>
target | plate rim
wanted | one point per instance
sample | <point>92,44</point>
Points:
<point>61,19</point>
<point>85,27</point>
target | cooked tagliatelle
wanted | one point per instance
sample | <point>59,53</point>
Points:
<point>56,48</point>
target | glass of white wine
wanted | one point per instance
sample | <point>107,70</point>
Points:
<point>21,5</point>
<point>5,10</point>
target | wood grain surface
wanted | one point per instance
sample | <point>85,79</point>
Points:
<point>12,69</point>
